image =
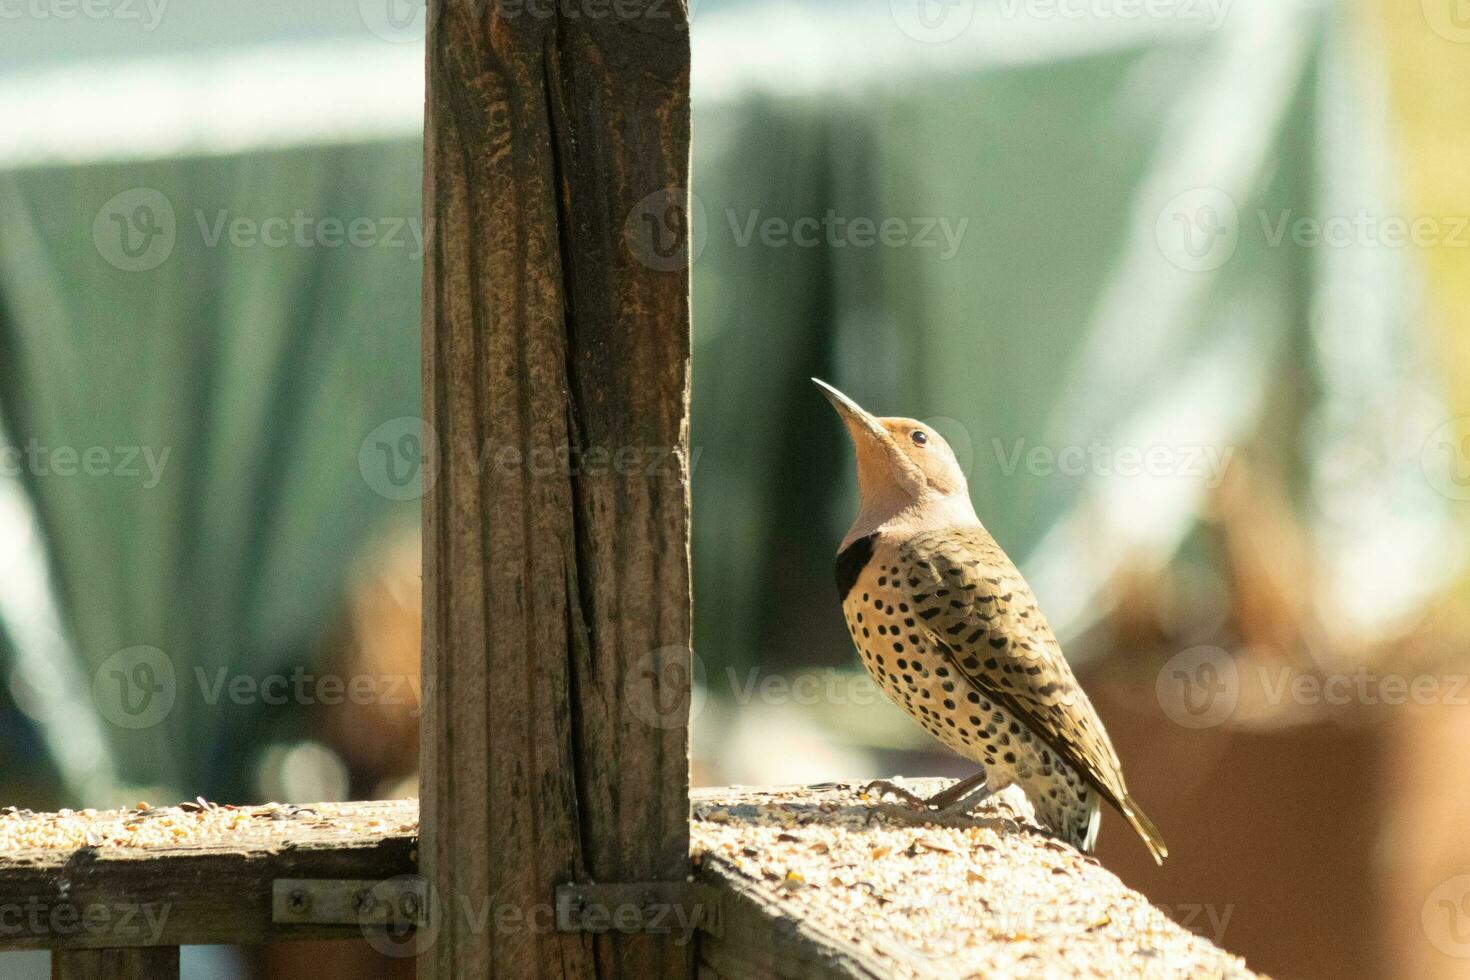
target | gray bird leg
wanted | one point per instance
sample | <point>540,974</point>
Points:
<point>966,791</point>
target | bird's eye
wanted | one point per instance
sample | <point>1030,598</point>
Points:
<point>920,437</point>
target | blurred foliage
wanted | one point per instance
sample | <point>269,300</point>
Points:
<point>259,370</point>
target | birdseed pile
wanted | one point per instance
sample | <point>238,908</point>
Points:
<point>980,896</point>
<point>200,824</point>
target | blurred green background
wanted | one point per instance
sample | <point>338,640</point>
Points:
<point>1138,265</point>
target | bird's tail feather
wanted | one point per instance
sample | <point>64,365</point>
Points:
<point>1134,814</point>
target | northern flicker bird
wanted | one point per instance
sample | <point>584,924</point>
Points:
<point>950,631</point>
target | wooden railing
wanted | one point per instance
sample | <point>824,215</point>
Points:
<point>793,883</point>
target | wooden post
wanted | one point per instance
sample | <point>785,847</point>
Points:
<point>556,527</point>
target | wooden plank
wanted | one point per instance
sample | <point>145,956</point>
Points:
<point>797,883</point>
<point>169,876</point>
<point>758,939</point>
<point>156,963</point>
<point>821,882</point>
<point>555,379</point>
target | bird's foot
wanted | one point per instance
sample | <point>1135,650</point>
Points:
<point>880,788</point>
<point>956,798</point>
<point>961,796</point>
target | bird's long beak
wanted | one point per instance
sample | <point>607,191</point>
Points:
<point>852,413</point>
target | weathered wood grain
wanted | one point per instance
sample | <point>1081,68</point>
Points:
<point>555,379</point>
<point>155,963</point>
<point>187,877</point>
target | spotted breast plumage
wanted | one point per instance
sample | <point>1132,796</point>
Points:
<point>951,632</point>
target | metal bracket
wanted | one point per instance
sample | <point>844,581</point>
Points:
<point>651,907</point>
<point>398,902</point>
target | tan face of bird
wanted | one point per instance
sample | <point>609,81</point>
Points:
<point>907,475</point>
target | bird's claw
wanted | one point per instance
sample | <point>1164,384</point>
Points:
<point>882,787</point>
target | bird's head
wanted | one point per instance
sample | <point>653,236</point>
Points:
<point>908,477</point>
